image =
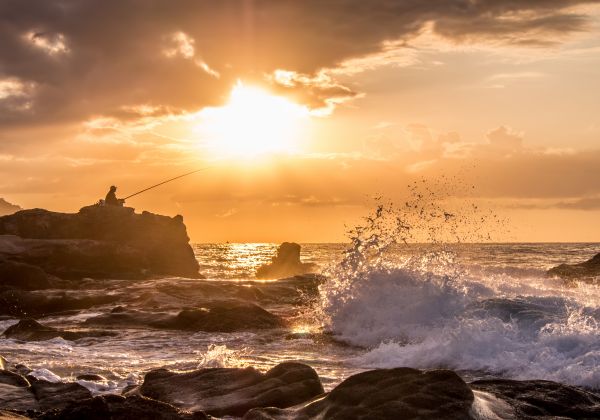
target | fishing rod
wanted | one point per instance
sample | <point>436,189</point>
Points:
<point>164,182</point>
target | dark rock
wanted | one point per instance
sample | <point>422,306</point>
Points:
<point>99,242</point>
<point>285,263</point>
<point>115,407</point>
<point>12,378</point>
<point>219,316</point>
<point>23,276</point>
<point>31,330</point>
<point>588,270</point>
<point>531,399</point>
<point>58,395</point>
<point>20,303</point>
<point>222,391</point>
<point>17,398</point>
<point>401,393</point>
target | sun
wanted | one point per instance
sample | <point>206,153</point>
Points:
<point>253,122</point>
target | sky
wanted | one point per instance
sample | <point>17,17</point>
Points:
<point>303,111</point>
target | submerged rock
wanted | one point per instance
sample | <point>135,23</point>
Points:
<point>20,303</point>
<point>217,316</point>
<point>588,270</point>
<point>233,392</point>
<point>531,399</point>
<point>285,263</point>
<point>400,393</point>
<point>31,330</point>
<point>98,242</point>
<point>115,407</point>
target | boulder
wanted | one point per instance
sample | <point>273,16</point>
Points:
<point>400,393</point>
<point>31,330</point>
<point>228,391</point>
<point>12,378</point>
<point>531,399</point>
<point>7,415</point>
<point>217,316</point>
<point>588,270</point>
<point>19,303</point>
<point>17,398</point>
<point>58,395</point>
<point>115,407</point>
<point>17,275</point>
<point>285,263</point>
<point>99,242</point>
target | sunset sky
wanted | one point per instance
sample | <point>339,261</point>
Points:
<point>303,110</point>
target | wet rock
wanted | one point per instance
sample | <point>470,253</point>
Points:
<point>228,316</point>
<point>17,398</point>
<point>58,395</point>
<point>3,363</point>
<point>219,316</point>
<point>531,399</point>
<point>233,392</point>
<point>99,242</point>
<point>31,330</point>
<point>116,407</point>
<point>285,263</point>
<point>401,393</point>
<point>12,378</point>
<point>23,276</point>
<point>588,270</point>
<point>20,303</point>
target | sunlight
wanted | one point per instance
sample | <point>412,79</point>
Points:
<point>253,122</point>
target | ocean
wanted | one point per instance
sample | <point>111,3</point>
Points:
<point>484,310</point>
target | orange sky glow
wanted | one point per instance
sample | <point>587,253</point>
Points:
<point>303,111</point>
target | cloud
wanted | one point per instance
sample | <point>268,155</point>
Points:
<point>8,208</point>
<point>87,58</point>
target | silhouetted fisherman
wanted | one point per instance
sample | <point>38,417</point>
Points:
<point>111,198</point>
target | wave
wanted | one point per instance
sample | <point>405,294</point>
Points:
<point>428,311</point>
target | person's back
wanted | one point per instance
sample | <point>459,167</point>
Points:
<point>111,198</point>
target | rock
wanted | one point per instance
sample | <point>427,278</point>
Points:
<point>19,303</point>
<point>218,316</point>
<point>400,393</point>
<point>3,363</point>
<point>58,395</point>
<point>588,270</point>
<point>12,378</point>
<point>23,276</point>
<point>285,263</point>
<point>31,330</point>
<point>98,242</point>
<point>226,316</point>
<point>116,407</point>
<point>17,398</point>
<point>233,392</point>
<point>531,399</point>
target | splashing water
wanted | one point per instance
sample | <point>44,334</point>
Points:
<point>219,356</point>
<point>426,310</point>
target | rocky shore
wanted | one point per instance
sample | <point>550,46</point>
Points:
<point>293,391</point>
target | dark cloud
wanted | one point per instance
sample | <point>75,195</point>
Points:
<point>72,59</point>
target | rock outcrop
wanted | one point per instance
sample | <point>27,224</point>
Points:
<point>216,316</point>
<point>222,392</point>
<point>588,270</point>
<point>115,407</point>
<point>20,303</point>
<point>98,242</point>
<point>401,393</point>
<point>546,399</point>
<point>285,263</point>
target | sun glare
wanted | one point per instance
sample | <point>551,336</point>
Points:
<point>253,122</point>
